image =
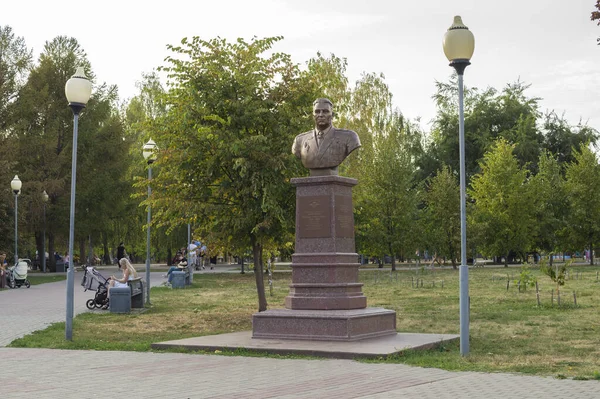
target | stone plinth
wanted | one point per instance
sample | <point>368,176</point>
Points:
<point>325,265</point>
<point>325,302</point>
<point>324,325</point>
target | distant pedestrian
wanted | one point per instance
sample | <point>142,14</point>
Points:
<point>120,253</point>
<point>3,266</point>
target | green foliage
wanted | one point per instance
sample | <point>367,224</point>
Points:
<point>489,116</point>
<point>442,215</point>
<point>526,277</point>
<point>232,110</point>
<point>502,218</point>
<point>387,198</point>
<point>582,185</point>
<point>551,210</point>
<point>557,273</point>
<point>596,16</point>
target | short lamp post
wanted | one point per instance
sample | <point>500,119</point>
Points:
<point>149,152</point>
<point>459,44</point>
<point>78,90</point>
<point>15,186</point>
<point>45,199</point>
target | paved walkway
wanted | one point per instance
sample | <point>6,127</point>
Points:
<point>63,374</point>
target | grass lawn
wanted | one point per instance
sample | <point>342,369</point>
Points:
<point>36,279</point>
<point>509,332</point>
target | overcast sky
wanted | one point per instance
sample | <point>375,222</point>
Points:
<point>550,44</point>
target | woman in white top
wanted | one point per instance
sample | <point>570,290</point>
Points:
<point>129,273</point>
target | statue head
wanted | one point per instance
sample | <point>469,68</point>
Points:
<point>323,113</point>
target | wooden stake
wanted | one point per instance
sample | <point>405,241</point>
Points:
<point>552,298</point>
<point>537,293</point>
<point>507,284</point>
<point>558,297</point>
<point>574,298</point>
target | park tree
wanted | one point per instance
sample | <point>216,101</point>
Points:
<point>596,15</point>
<point>441,215</point>
<point>489,115</point>
<point>43,137</point>
<point>388,199</point>
<point>233,110</point>
<point>103,186</point>
<point>146,106</point>
<point>561,138</point>
<point>15,62</point>
<point>503,214</point>
<point>582,185</point>
<point>548,189</point>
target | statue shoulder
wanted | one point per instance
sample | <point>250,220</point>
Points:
<point>304,135</point>
<point>346,132</point>
<point>351,138</point>
<point>350,135</point>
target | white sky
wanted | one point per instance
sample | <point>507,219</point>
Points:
<point>550,44</point>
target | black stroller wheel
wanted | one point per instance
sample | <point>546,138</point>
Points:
<point>11,283</point>
<point>90,303</point>
<point>27,283</point>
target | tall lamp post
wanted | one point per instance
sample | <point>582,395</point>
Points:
<point>78,90</point>
<point>45,198</point>
<point>149,152</point>
<point>15,185</point>
<point>459,44</point>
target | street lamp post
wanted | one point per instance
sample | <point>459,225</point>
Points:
<point>149,152</point>
<point>459,45</point>
<point>78,90</point>
<point>45,198</point>
<point>15,185</point>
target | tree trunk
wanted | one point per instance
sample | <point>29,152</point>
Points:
<point>52,263</point>
<point>81,252</point>
<point>106,256</point>
<point>39,245</point>
<point>258,274</point>
<point>393,257</point>
<point>506,260</point>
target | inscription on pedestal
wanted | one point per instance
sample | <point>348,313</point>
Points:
<point>344,216</point>
<point>314,217</point>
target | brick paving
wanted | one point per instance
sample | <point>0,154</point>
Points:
<point>64,374</point>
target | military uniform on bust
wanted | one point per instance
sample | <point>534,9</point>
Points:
<point>323,148</point>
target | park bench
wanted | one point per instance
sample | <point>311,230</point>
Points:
<point>123,299</point>
<point>137,292</point>
<point>181,278</point>
<point>480,262</point>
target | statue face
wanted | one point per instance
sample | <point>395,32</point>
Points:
<point>323,114</point>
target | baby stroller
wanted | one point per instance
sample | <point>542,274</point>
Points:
<point>17,275</point>
<point>93,280</point>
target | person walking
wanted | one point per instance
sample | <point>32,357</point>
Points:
<point>3,266</point>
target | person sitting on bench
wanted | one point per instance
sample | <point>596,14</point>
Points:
<point>129,273</point>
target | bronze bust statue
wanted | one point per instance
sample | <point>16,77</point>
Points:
<point>323,148</point>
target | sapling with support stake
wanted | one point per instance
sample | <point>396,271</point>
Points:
<point>557,274</point>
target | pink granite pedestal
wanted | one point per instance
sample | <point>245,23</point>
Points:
<point>325,300</point>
